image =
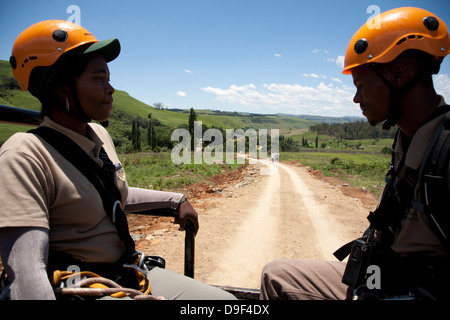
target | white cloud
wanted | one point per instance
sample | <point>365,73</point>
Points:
<point>325,51</point>
<point>339,61</point>
<point>442,85</point>
<point>314,75</point>
<point>181,94</point>
<point>336,79</point>
<point>277,55</point>
<point>324,99</point>
<point>188,71</point>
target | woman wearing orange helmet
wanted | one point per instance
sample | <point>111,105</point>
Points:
<point>392,68</point>
<point>51,211</point>
<point>51,52</point>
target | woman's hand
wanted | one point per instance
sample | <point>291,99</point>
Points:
<point>187,212</point>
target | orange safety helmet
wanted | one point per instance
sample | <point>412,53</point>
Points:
<point>41,45</point>
<point>387,35</point>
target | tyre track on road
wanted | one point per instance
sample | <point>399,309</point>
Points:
<point>286,222</point>
<point>283,213</point>
<point>326,230</point>
<point>251,246</point>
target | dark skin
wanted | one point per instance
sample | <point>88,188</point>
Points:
<point>372,94</point>
<point>96,97</point>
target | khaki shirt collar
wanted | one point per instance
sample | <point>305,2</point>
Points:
<point>91,146</point>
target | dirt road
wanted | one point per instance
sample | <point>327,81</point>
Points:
<point>265,211</point>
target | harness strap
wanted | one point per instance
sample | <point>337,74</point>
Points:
<point>101,178</point>
<point>433,179</point>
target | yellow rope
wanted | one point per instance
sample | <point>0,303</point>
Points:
<point>100,285</point>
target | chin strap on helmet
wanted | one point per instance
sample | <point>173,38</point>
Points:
<point>79,112</point>
<point>396,95</point>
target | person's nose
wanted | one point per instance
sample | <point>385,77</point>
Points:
<point>357,97</point>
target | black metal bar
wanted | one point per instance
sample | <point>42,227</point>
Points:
<point>189,238</point>
<point>15,115</point>
<point>189,249</point>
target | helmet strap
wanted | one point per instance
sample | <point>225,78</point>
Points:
<point>396,96</point>
<point>79,112</point>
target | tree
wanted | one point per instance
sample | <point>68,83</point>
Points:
<point>352,131</point>
<point>151,135</point>
<point>192,119</point>
<point>135,135</point>
<point>158,105</point>
<point>305,142</point>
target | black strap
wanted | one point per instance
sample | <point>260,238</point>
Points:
<point>433,181</point>
<point>101,177</point>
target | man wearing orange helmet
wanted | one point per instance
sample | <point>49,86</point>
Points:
<point>406,244</point>
<point>53,213</point>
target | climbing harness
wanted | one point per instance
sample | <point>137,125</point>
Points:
<point>89,284</point>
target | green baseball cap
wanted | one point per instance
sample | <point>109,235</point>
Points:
<point>109,49</point>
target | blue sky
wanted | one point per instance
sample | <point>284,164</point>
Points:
<point>259,56</point>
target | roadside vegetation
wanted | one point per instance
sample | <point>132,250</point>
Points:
<point>157,171</point>
<point>363,170</point>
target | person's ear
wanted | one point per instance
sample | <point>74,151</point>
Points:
<point>400,75</point>
<point>63,93</point>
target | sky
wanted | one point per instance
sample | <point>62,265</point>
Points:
<point>257,56</point>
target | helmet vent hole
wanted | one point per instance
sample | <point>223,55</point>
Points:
<point>410,37</point>
<point>399,42</point>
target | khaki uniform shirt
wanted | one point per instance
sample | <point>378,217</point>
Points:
<point>415,233</point>
<point>42,189</point>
